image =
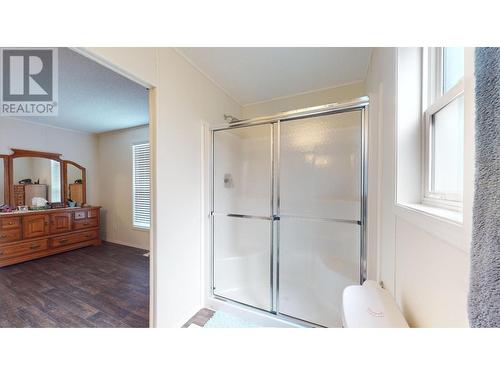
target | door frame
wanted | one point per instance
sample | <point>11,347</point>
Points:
<point>153,125</point>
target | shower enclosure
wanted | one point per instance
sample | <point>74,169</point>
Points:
<point>288,211</point>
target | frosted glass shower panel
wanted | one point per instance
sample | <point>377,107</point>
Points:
<point>320,166</point>
<point>242,260</point>
<point>318,259</point>
<point>242,170</point>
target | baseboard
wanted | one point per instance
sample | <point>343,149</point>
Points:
<point>123,243</point>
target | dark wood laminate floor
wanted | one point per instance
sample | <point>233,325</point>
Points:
<point>99,286</point>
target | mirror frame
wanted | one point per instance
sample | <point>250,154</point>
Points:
<point>65,179</point>
<point>6,178</point>
<point>17,153</point>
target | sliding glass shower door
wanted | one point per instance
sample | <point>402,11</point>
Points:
<point>320,215</point>
<point>242,225</point>
<point>287,214</point>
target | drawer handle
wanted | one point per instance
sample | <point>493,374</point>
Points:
<point>3,236</point>
<point>35,246</point>
<point>86,224</point>
<point>63,241</point>
<point>10,223</point>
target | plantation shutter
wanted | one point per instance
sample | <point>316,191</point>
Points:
<point>142,185</point>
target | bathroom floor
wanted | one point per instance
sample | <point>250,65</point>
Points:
<point>200,318</point>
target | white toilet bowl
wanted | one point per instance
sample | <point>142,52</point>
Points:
<point>370,306</point>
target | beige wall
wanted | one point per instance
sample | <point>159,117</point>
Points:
<point>421,259</point>
<point>303,100</point>
<point>115,186</point>
<point>185,100</point>
<point>78,146</point>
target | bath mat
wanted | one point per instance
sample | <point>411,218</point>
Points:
<point>224,320</point>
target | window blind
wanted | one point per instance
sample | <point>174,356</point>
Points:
<point>141,185</point>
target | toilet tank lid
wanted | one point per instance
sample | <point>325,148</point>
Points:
<point>370,306</point>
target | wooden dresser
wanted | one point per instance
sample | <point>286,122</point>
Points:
<point>36,234</point>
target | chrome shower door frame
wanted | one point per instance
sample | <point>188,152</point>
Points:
<point>360,104</point>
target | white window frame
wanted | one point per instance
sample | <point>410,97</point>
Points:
<point>137,225</point>
<point>432,102</point>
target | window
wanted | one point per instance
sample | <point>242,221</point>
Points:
<point>444,127</point>
<point>141,185</point>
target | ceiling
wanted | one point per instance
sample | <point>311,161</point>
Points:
<point>95,99</point>
<point>251,75</point>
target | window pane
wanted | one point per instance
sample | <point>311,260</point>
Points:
<point>453,66</point>
<point>448,145</point>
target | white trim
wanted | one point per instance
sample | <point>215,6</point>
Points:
<point>437,222</point>
<point>123,129</point>
<point>98,59</point>
<point>205,270</point>
<point>304,93</point>
<point>123,243</point>
<point>37,123</point>
<point>432,102</point>
<point>140,229</point>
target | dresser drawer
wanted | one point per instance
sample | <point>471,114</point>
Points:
<point>80,215</point>
<point>92,213</point>
<point>10,223</point>
<point>10,235</point>
<point>23,248</point>
<point>73,238</point>
<point>88,223</point>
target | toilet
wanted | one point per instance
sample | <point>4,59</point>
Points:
<point>370,306</point>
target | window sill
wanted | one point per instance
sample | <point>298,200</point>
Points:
<point>441,223</point>
<point>441,213</point>
<point>141,229</point>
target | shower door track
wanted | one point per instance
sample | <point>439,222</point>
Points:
<point>360,104</point>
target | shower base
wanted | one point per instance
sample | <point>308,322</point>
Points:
<point>300,302</point>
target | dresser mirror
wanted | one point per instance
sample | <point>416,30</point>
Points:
<point>26,175</point>
<point>36,177</point>
<point>75,187</point>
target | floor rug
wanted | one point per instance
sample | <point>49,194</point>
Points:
<point>222,319</point>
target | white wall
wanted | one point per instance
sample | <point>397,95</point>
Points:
<point>185,99</point>
<point>115,186</point>
<point>304,100</point>
<point>77,146</point>
<point>399,246</point>
<point>422,259</point>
